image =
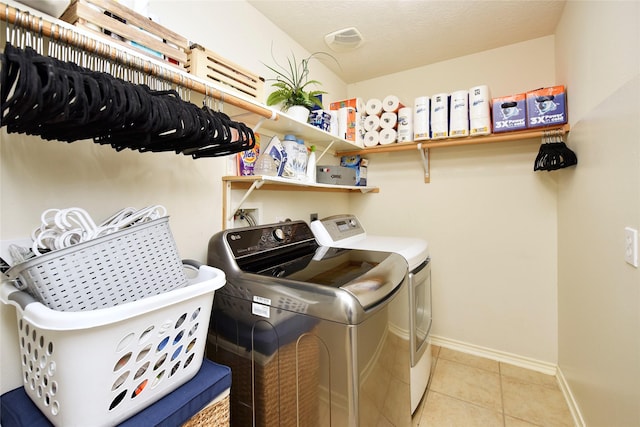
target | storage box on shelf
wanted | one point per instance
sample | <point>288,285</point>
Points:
<point>107,364</point>
<point>210,66</point>
<point>122,25</point>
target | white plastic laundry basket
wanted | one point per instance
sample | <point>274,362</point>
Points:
<point>99,367</point>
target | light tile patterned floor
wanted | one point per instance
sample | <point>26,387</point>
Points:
<point>470,391</point>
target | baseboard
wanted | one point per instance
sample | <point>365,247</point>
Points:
<point>500,356</point>
<point>571,401</point>
<point>523,362</point>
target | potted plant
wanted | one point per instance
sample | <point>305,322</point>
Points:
<point>291,84</point>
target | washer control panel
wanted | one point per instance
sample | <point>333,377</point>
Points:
<point>260,239</point>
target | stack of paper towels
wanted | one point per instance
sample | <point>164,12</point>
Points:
<point>461,113</point>
<point>444,115</point>
<point>386,121</point>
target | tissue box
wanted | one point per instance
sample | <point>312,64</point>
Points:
<point>359,165</point>
<point>546,107</point>
<point>336,175</point>
<point>509,113</point>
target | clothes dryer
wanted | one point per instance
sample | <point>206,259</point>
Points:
<point>346,231</point>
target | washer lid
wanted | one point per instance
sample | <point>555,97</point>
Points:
<point>367,276</point>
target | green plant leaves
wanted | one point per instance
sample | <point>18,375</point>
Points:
<point>291,83</point>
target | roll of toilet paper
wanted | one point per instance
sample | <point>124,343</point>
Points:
<point>391,104</point>
<point>333,128</point>
<point>405,124</point>
<point>479,102</point>
<point>388,120</point>
<point>459,114</point>
<point>479,126</point>
<point>343,121</point>
<point>479,110</point>
<point>361,105</point>
<point>388,136</point>
<point>371,123</point>
<point>371,138</point>
<point>440,116</point>
<point>421,115</point>
<point>373,107</point>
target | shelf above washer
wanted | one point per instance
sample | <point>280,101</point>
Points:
<point>251,183</point>
<point>279,183</point>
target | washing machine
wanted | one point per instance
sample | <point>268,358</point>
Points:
<point>346,231</point>
<point>308,330</point>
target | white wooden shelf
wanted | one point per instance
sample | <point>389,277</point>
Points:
<point>255,182</point>
<point>423,146</point>
<point>455,142</point>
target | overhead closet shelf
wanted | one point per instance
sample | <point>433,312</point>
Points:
<point>237,106</point>
<point>279,183</point>
<point>455,142</point>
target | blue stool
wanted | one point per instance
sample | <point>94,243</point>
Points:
<point>174,409</point>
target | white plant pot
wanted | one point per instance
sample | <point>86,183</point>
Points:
<point>298,113</point>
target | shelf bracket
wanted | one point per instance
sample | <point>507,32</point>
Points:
<point>324,151</point>
<point>257,126</point>
<point>254,186</point>
<point>426,162</point>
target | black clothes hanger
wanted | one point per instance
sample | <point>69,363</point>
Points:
<point>554,154</point>
<point>59,100</point>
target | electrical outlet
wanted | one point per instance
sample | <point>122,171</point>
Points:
<point>631,246</point>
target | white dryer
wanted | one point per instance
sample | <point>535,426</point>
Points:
<point>345,231</point>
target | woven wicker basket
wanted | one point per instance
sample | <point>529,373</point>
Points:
<point>215,414</point>
<point>279,401</point>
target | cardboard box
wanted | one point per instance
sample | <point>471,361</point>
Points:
<point>336,175</point>
<point>509,113</point>
<point>356,103</point>
<point>546,107</point>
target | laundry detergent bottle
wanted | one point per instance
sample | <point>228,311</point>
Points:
<point>291,168</point>
<point>302,161</point>
<point>311,165</point>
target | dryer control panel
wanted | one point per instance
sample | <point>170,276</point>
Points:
<point>335,228</point>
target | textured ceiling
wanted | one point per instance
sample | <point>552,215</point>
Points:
<point>404,34</point>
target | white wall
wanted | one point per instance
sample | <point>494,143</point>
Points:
<point>598,51</point>
<point>36,174</point>
<point>489,219</point>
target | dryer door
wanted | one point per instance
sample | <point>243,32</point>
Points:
<point>420,312</point>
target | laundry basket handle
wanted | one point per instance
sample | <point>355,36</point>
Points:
<point>10,295</point>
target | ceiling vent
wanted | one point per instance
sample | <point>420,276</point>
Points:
<point>344,40</point>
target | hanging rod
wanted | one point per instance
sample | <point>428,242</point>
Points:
<point>61,31</point>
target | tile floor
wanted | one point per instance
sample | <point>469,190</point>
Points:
<point>468,391</point>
